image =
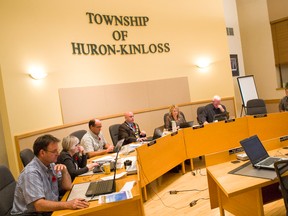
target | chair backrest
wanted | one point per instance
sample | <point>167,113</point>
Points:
<point>281,168</point>
<point>79,134</point>
<point>26,156</point>
<point>200,110</point>
<point>114,130</point>
<point>165,116</point>
<point>256,106</point>
<point>158,132</point>
<point>7,189</point>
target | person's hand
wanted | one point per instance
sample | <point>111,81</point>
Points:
<point>205,123</point>
<point>92,165</point>
<point>81,149</point>
<point>221,108</point>
<point>60,168</point>
<point>110,148</point>
<point>141,139</point>
<point>143,133</point>
<point>78,204</point>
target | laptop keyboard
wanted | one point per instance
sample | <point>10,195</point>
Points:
<point>269,161</point>
<point>100,187</point>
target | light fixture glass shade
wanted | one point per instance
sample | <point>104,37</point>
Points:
<point>38,74</point>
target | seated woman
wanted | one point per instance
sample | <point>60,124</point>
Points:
<point>173,115</point>
<point>74,157</point>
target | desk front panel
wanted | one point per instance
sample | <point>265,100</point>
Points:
<point>215,137</point>
<point>129,207</point>
<point>271,126</point>
<point>157,159</point>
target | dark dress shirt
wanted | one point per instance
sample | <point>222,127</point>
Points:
<point>209,112</point>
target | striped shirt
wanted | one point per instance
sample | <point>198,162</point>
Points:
<point>36,181</point>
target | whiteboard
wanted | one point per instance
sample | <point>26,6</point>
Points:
<point>247,88</point>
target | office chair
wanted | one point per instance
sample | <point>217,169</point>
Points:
<point>281,168</point>
<point>200,110</point>
<point>7,189</point>
<point>26,156</point>
<point>256,106</point>
<point>79,134</point>
<point>114,130</point>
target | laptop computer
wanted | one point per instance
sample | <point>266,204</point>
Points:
<point>157,134</point>
<point>221,116</point>
<point>107,186</point>
<point>257,153</point>
<point>186,124</point>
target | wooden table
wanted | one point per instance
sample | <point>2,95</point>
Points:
<point>130,207</point>
<point>157,159</point>
<point>240,195</point>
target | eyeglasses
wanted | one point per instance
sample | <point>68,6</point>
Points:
<point>56,151</point>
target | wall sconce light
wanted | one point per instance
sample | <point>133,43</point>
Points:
<point>37,73</point>
<point>203,63</point>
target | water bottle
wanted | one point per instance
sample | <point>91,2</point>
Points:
<point>174,126</point>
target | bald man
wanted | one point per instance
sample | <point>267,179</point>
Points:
<point>212,109</point>
<point>94,142</point>
<point>130,131</point>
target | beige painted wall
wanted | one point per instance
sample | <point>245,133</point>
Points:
<point>277,9</point>
<point>257,47</point>
<point>40,33</point>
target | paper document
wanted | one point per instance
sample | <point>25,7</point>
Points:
<point>114,197</point>
<point>79,190</point>
<point>119,175</point>
<point>128,186</point>
<point>103,159</point>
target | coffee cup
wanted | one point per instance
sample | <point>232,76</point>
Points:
<point>106,168</point>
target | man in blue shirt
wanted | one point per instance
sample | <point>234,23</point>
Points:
<point>37,189</point>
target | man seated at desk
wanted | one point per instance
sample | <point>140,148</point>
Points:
<point>37,191</point>
<point>130,130</point>
<point>94,142</point>
<point>212,109</point>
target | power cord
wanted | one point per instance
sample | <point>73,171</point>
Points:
<point>194,202</point>
<point>177,191</point>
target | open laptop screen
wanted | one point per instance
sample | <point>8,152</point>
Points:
<point>254,149</point>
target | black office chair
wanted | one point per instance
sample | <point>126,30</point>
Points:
<point>114,130</point>
<point>158,132</point>
<point>7,189</point>
<point>200,110</point>
<point>79,134</point>
<point>26,156</point>
<point>255,107</point>
<point>281,168</point>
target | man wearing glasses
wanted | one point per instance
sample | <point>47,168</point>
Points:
<point>37,189</point>
<point>94,142</point>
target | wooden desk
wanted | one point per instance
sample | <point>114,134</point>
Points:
<point>130,207</point>
<point>274,125</point>
<point>240,195</point>
<point>157,159</point>
<point>215,137</point>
